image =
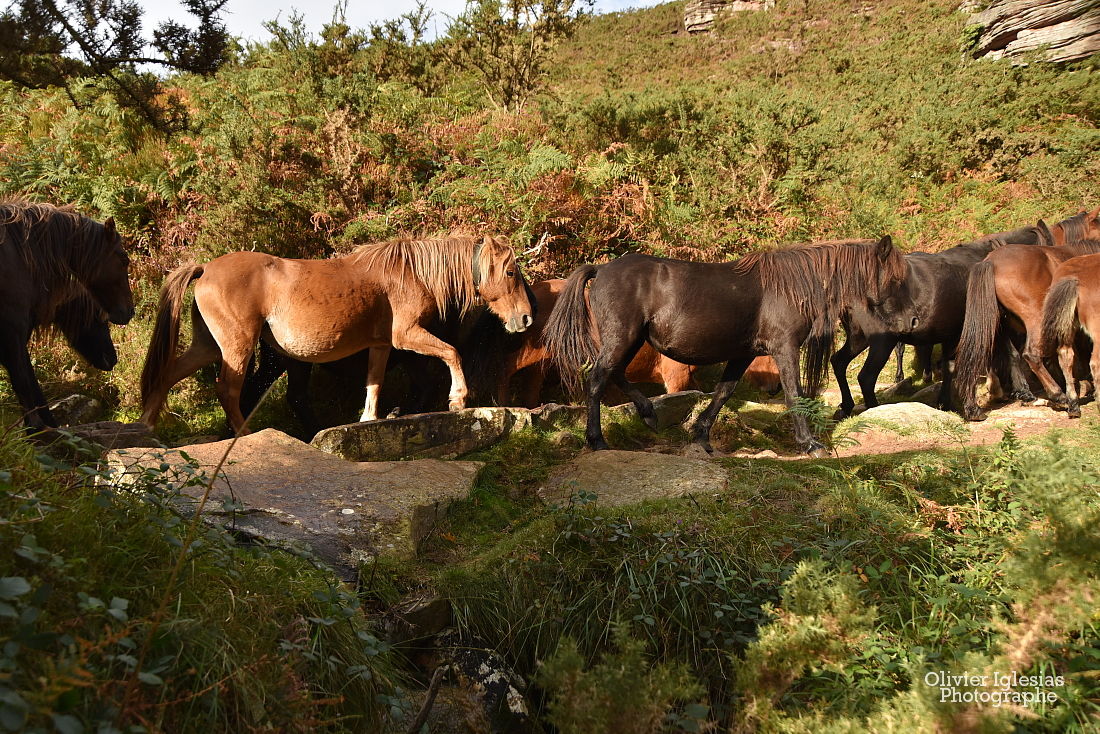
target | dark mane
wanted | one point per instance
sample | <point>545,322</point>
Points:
<point>44,234</point>
<point>821,280</point>
<point>1083,247</point>
<point>1076,228</point>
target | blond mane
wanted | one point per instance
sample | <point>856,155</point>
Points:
<point>443,265</point>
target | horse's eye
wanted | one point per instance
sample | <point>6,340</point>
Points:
<point>511,273</point>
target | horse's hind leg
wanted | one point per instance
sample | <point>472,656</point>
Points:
<point>1033,355</point>
<point>271,366</point>
<point>731,374</point>
<point>641,402</point>
<point>17,360</point>
<point>1067,355</point>
<point>376,373</point>
<point>877,358</point>
<point>899,373</point>
<point>786,357</point>
<point>203,351</point>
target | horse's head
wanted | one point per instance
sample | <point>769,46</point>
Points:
<point>892,269</point>
<point>1084,225</point>
<point>500,283</point>
<point>86,329</point>
<point>108,277</point>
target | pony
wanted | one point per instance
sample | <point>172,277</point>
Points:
<point>506,355</point>
<point>927,310</point>
<point>1073,304</point>
<point>60,267</point>
<point>773,303</point>
<point>380,296</point>
<point>1013,280</point>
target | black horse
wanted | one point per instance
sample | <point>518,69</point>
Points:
<point>60,267</point>
<point>705,313</point>
<point>929,309</point>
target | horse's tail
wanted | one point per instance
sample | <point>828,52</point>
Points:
<point>1059,315</point>
<point>166,330</point>
<point>568,332</point>
<point>819,348</point>
<point>979,332</point>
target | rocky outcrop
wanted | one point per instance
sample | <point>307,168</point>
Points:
<point>425,435</point>
<point>1068,29</point>
<point>627,477</point>
<point>278,489</point>
<point>699,15</point>
<point>76,409</point>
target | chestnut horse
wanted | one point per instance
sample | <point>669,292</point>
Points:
<point>379,297</point>
<point>1073,304</point>
<point>59,267</point>
<point>704,313</point>
<point>532,355</point>
<point>1013,280</point>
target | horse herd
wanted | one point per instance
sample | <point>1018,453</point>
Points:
<point>998,304</point>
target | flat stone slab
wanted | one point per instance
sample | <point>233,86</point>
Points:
<point>116,435</point>
<point>628,477</point>
<point>279,489</point>
<point>442,435</point>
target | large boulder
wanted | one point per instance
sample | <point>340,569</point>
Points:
<point>887,422</point>
<point>276,488</point>
<point>425,435</point>
<point>628,477</point>
<point>699,15</point>
<point>1066,30</point>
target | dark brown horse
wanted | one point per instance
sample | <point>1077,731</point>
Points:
<point>1073,304</point>
<point>379,297</point>
<point>703,313</point>
<point>1009,285</point>
<point>57,264</point>
<point>529,354</point>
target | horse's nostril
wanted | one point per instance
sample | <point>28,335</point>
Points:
<point>527,320</point>
<point>914,323</point>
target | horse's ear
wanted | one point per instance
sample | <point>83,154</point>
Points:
<point>109,225</point>
<point>1045,233</point>
<point>884,247</point>
<point>1095,214</point>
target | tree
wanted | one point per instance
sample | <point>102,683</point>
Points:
<point>52,42</point>
<point>508,43</point>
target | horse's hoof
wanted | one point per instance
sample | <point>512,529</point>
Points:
<point>817,450</point>
<point>1059,403</point>
<point>1074,411</point>
<point>651,422</point>
<point>841,413</point>
<point>599,445</point>
<point>1024,396</point>
<point>974,414</point>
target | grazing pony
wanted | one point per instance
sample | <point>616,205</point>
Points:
<point>505,355</point>
<point>928,309</point>
<point>704,313</point>
<point>1073,304</point>
<point>59,267</point>
<point>380,296</point>
<point>1012,281</point>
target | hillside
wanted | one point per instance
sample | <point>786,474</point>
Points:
<point>812,595</point>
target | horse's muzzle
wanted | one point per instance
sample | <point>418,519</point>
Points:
<point>121,315</point>
<point>105,360</point>
<point>515,325</point>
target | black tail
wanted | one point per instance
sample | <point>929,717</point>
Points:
<point>1059,315</point>
<point>983,316</point>
<point>568,332</point>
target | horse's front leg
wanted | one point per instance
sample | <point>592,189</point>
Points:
<point>877,358</point>
<point>376,373</point>
<point>416,338</point>
<point>840,361</point>
<point>17,361</point>
<point>731,374</point>
<point>786,358</point>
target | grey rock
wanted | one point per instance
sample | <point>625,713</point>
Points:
<point>425,435</point>
<point>76,409</point>
<point>899,419</point>
<point>699,15</point>
<point>672,409</point>
<point>116,435</point>
<point>555,415</point>
<point>283,491</point>
<point>1065,30</point>
<point>627,477</point>
<point>418,617</point>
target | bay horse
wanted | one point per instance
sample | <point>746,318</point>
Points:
<point>928,309</point>
<point>776,303</point>
<point>1009,285</point>
<point>380,296</point>
<point>528,353</point>
<point>1073,304</point>
<point>59,267</point>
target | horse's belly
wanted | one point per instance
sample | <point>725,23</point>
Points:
<point>319,342</point>
<point>699,345</point>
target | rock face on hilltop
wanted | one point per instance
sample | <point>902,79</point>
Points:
<point>1068,29</point>
<point>699,15</point>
